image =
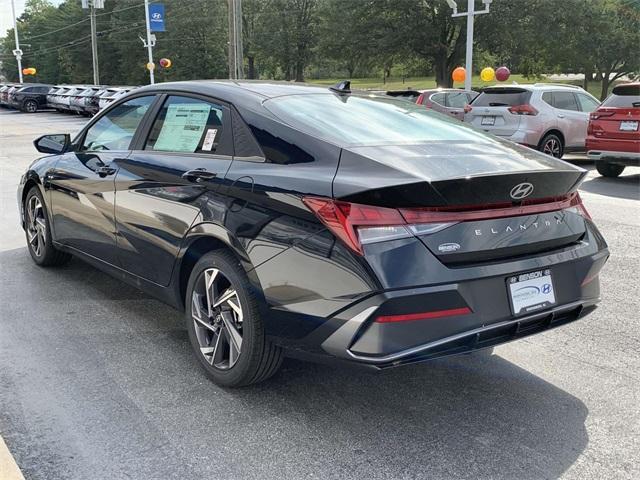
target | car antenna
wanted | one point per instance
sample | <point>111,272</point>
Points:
<point>342,87</point>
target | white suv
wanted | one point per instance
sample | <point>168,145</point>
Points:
<point>549,117</point>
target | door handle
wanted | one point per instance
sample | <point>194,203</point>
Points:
<point>560,115</point>
<point>105,171</point>
<point>198,175</point>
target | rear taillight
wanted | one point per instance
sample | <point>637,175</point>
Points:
<point>523,110</point>
<point>357,225</point>
<point>600,114</point>
<point>467,108</point>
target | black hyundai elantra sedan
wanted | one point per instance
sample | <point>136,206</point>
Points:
<point>316,222</point>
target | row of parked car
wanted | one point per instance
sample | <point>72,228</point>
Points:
<point>80,99</point>
<point>553,118</point>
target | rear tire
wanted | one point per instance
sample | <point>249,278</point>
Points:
<point>38,232</point>
<point>609,169</point>
<point>552,145</point>
<point>228,336</point>
<point>30,106</point>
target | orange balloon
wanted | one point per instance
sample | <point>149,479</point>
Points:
<point>25,71</point>
<point>459,74</point>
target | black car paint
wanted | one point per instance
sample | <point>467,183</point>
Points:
<point>147,224</point>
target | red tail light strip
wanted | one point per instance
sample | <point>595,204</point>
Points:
<point>343,218</point>
<point>410,317</point>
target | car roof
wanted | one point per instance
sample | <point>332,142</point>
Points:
<point>239,89</point>
<point>536,86</point>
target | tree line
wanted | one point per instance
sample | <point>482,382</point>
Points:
<point>312,39</point>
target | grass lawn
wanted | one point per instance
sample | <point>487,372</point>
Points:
<point>420,83</point>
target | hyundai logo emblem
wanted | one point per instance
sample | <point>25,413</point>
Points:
<point>156,16</point>
<point>521,191</point>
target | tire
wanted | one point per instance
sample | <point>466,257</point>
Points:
<point>214,337</point>
<point>552,145</point>
<point>30,106</point>
<point>609,169</point>
<point>38,233</point>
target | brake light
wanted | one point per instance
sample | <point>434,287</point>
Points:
<point>600,114</point>
<point>467,108</point>
<point>523,110</point>
<point>357,225</point>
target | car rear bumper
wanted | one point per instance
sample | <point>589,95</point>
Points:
<point>623,158</point>
<point>529,138</point>
<point>485,317</point>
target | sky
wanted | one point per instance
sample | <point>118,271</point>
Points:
<point>6,20</point>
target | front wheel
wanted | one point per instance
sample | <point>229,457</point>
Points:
<point>552,145</point>
<point>224,323</point>
<point>38,233</point>
<point>609,169</point>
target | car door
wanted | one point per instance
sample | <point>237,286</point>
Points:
<point>571,121</point>
<point>82,183</point>
<point>172,173</point>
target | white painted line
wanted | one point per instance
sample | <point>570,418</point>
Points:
<point>9,469</point>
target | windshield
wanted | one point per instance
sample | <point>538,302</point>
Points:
<point>355,120</point>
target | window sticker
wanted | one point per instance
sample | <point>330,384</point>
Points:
<point>209,139</point>
<point>182,127</point>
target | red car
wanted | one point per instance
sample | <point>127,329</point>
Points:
<point>613,136</point>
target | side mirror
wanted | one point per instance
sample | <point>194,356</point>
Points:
<point>53,143</point>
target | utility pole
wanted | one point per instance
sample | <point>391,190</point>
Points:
<point>17,52</point>
<point>236,56</point>
<point>470,14</point>
<point>149,43</point>
<point>94,45</point>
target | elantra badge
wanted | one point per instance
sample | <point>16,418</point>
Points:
<point>448,247</point>
<point>522,190</point>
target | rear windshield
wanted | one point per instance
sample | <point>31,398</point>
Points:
<point>356,120</point>
<point>623,96</point>
<point>504,97</point>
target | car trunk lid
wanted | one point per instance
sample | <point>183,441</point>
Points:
<point>491,111</point>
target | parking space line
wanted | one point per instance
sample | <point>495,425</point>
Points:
<point>9,469</point>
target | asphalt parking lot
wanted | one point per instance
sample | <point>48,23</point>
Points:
<point>97,380</point>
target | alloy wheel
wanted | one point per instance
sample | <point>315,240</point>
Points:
<point>31,107</point>
<point>552,147</point>
<point>36,226</point>
<point>217,318</point>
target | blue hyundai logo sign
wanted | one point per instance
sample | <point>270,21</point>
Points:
<point>156,17</point>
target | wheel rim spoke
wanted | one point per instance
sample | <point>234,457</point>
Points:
<point>217,315</point>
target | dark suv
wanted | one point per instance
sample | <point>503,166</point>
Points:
<point>29,98</point>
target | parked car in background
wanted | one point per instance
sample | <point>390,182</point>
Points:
<point>447,100</point>
<point>30,98</point>
<point>613,139</point>
<point>92,105</point>
<point>53,96</point>
<point>293,218</point>
<point>408,94</point>
<point>67,96</point>
<point>4,94</point>
<point>548,117</point>
<point>112,94</point>
<point>78,101</point>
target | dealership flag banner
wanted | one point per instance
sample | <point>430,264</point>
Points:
<point>156,17</point>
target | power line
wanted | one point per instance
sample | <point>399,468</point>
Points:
<point>55,31</point>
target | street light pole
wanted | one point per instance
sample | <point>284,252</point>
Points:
<point>470,14</point>
<point>94,45</point>
<point>17,52</point>
<point>149,44</point>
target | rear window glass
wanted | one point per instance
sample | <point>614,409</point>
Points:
<point>505,97</point>
<point>355,120</point>
<point>623,96</point>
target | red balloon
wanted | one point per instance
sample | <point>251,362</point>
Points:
<point>502,74</point>
<point>165,62</point>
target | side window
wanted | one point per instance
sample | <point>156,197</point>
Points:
<point>565,101</point>
<point>115,130</point>
<point>190,125</point>
<point>547,97</point>
<point>457,99</point>
<point>587,104</point>
<point>438,98</point>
